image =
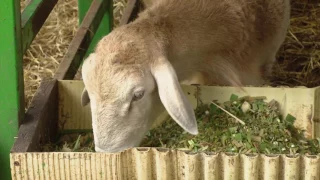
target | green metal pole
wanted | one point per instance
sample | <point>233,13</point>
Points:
<point>11,80</point>
<point>106,22</point>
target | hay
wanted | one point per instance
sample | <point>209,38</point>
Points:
<point>298,60</point>
<point>51,44</point>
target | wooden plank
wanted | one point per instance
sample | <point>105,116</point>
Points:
<point>163,164</point>
<point>80,43</point>
<point>32,19</point>
<point>70,102</point>
<point>40,124</point>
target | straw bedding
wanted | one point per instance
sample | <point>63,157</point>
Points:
<point>298,60</point>
<point>50,45</point>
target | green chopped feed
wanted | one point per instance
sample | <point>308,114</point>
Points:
<point>265,130</point>
<point>72,142</point>
<point>240,125</point>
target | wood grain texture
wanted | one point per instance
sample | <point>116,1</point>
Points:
<point>162,164</point>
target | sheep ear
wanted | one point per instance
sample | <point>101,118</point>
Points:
<point>84,97</point>
<point>172,96</point>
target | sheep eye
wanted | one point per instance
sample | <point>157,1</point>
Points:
<point>138,95</point>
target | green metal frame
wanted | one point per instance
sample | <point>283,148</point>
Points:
<point>11,79</point>
<point>105,26</point>
<point>17,33</point>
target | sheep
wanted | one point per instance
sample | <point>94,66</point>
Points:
<point>135,71</point>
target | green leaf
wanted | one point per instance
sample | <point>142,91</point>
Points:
<point>77,144</point>
<point>238,137</point>
<point>248,145</point>
<point>233,129</point>
<point>148,133</point>
<point>290,118</point>
<point>191,142</point>
<point>234,97</point>
<point>261,107</point>
<point>213,109</point>
<point>249,137</point>
<point>263,146</point>
<point>254,107</point>
<point>223,139</point>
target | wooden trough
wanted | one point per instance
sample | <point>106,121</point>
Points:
<point>56,107</point>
